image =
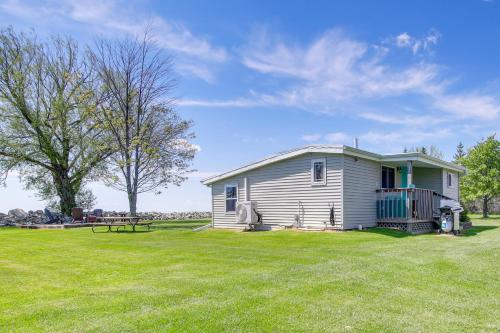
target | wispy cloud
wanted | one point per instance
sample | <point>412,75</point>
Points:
<point>232,103</point>
<point>413,119</point>
<point>405,40</point>
<point>468,105</point>
<point>109,17</point>
<point>336,73</point>
<point>394,140</point>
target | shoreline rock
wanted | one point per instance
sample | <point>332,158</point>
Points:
<point>19,216</point>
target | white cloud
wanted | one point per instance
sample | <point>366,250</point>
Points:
<point>403,119</point>
<point>199,70</point>
<point>405,40</point>
<point>402,137</point>
<point>336,74</point>
<point>109,17</point>
<point>470,105</point>
<point>334,68</point>
<point>234,103</point>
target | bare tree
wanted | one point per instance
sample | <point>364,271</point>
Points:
<point>151,140</point>
<point>431,151</point>
<point>47,128</point>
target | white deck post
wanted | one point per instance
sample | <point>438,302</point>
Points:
<point>409,177</point>
<point>409,182</point>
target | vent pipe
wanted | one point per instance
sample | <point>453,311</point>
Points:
<point>356,143</point>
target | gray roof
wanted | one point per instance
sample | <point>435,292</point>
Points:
<point>421,159</point>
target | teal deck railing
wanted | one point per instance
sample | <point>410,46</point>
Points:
<point>407,204</point>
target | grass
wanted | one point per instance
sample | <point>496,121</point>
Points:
<point>173,279</point>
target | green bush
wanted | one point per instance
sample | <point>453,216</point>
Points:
<point>464,216</point>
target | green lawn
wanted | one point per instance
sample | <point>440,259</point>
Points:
<point>173,279</point>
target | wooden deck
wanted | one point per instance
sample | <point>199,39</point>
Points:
<point>407,205</point>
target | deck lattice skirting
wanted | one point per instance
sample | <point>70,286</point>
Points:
<point>411,227</point>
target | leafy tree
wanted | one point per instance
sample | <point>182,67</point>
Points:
<point>47,129</point>
<point>150,139</point>
<point>460,153</point>
<point>483,172</point>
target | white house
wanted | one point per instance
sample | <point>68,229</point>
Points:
<point>337,187</point>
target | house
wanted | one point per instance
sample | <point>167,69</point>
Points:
<point>337,187</point>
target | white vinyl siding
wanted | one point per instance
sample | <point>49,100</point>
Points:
<point>361,180</point>
<point>450,191</point>
<point>277,188</point>
<point>429,178</point>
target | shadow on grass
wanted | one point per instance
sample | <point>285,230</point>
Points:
<point>176,226</point>
<point>477,229</point>
<point>388,232</point>
<point>121,231</point>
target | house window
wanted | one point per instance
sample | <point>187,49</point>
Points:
<point>318,171</point>
<point>388,177</point>
<point>231,193</point>
<point>449,180</point>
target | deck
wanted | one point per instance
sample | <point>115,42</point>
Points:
<point>409,209</point>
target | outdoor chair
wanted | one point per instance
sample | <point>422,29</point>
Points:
<point>77,215</point>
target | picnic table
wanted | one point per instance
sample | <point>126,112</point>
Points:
<point>109,225</point>
<point>120,221</point>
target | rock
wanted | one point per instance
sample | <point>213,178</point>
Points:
<point>18,214</point>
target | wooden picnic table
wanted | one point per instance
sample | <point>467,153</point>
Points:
<point>130,220</point>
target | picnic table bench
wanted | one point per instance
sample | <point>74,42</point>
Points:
<point>120,221</point>
<point>109,225</point>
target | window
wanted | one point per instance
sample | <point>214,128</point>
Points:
<point>388,176</point>
<point>449,180</point>
<point>231,192</point>
<point>318,171</point>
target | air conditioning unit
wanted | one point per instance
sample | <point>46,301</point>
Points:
<point>245,212</point>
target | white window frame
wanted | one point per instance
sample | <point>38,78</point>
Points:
<point>225,197</point>
<point>449,179</point>
<point>323,181</point>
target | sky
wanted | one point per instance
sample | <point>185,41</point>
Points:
<point>258,77</point>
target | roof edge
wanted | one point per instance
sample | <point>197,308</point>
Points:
<point>335,149</point>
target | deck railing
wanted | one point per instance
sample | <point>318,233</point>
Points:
<point>407,204</point>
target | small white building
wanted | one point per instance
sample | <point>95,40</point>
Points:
<point>335,187</point>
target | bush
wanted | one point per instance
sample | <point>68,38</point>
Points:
<point>464,216</point>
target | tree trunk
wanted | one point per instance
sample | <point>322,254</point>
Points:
<point>66,192</point>
<point>132,203</point>
<point>485,206</point>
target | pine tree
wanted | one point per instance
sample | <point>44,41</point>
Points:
<point>460,153</point>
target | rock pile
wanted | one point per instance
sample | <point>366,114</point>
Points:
<point>165,216</point>
<point>19,216</point>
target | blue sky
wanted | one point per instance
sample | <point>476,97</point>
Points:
<point>258,77</point>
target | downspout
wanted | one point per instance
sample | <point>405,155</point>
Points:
<point>213,215</point>
<point>245,182</point>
